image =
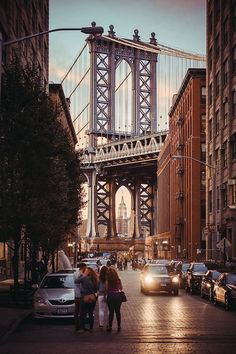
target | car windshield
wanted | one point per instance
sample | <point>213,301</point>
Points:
<point>58,282</point>
<point>231,279</point>
<point>158,270</point>
<point>199,268</point>
<point>185,266</point>
<point>215,275</point>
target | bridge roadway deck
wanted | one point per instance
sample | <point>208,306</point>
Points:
<point>150,325</point>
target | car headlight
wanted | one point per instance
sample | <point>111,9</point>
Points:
<point>40,300</point>
<point>175,280</point>
<point>148,279</point>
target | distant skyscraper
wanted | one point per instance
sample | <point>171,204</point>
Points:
<point>122,220</point>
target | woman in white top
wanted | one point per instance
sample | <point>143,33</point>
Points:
<point>102,304</point>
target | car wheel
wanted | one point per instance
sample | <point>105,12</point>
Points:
<point>214,299</point>
<point>227,302</point>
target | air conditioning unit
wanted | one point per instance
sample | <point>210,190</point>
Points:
<point>232,181</point>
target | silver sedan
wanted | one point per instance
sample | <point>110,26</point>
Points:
<point>55,296</point>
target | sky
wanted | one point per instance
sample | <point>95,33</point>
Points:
<point>178,23</point>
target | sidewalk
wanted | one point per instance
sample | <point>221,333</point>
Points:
<point>10,317</point>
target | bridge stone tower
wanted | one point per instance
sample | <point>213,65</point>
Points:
<point>106,53</point>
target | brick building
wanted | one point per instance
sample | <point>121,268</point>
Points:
<point>221,124</point>
<point>19,18</point>
<point>181,181</point>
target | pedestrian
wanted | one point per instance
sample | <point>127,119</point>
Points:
<point>79,273</point>
<point>102,304</point>
<point>114,301</point>
<point>89,283</point>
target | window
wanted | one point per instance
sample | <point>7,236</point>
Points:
<point>217,198</point>
<point>224,195</point>
<point>210,129</point>
<point>203,123</point>
<point>217,9</point>
<point>217,162</point>
<point>210,163</point>
<point>203,152</point>
<point>203,94</point>
<point>234,16</point>
<point>233,146</point>
<point>210,201</point>
<point>217,88</point>
<point>210,94</point>
<point>224,155</point>
<point>203,209</point>
<point>210,23</point>
<point>203,179</point>
<point>217,47</point>
<point>233,194</point>
<point>210,59</point>
<point>225,32</point>
<point>234,103</point>
<point>234,59</point>
<point>225,71</point>
<point>217,122</point>
<point>225,111</point>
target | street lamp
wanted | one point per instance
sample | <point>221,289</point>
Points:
<point>95,30</point>
<point>179,157</point>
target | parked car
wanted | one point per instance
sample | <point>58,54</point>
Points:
<point>155,278</point>
<point>194,276</point>
<point>224,291</point>
<point>54,297</point>
<point>208,282</point>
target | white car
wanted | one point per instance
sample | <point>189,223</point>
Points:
<point>54,297</point>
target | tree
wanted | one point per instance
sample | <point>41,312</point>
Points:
<point>40,178</point>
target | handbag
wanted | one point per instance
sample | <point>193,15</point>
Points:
<point>123,296</point>
<point>89,298</point>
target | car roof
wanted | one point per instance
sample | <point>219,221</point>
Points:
<point>59,273</point>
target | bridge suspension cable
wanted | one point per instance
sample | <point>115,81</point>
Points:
<point>159,49</point>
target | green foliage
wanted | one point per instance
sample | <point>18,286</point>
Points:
<point>40,180</point>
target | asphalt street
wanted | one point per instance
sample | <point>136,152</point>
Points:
<point>151,324</point>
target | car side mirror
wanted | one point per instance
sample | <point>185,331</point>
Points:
<point>35,286</point>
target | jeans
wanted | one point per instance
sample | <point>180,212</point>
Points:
<point>102,305</point>
<point>114,303</point>
<point>77,313</point>
<point>84,310</point>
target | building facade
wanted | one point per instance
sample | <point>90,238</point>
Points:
<point>221,125</point>
<point>122,219</point>
<point>181,172</point>
<point>19,18</point>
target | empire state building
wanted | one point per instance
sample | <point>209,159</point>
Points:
<point>122,220</point>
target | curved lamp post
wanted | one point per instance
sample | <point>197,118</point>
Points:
<point>95,30</point>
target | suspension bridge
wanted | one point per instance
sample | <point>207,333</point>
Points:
<point>120,92</point>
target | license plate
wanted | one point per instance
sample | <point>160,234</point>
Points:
<point>163,284</point>
<point>62,310</point>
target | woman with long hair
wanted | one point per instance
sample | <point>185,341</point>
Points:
<point>88,287</point>
<point>113,288</point>
<point>102,295</point>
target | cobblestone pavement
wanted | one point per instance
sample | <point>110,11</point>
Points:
<point>150,324</point>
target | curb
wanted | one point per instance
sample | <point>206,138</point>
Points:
<point>13,327</point>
